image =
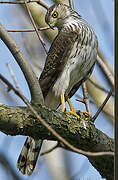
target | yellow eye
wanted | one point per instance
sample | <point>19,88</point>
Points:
<point>55,14</point>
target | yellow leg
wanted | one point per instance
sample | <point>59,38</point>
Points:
<point>72,109</point>
<point>70,105</point>
<point>63,102</point>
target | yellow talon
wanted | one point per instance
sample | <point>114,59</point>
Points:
<point>87,114</point>
<point>63,102</point>
<point>73,113</point>
<point>72,109</point>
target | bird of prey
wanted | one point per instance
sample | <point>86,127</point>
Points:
<point>69,63</point>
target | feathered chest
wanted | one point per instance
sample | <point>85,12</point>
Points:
<point>81,59</point>
<point>71,55</point>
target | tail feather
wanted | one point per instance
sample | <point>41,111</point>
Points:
<point>29,155</point>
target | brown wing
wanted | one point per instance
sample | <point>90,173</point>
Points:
<point>56,59</point>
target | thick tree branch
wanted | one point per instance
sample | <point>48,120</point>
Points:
<point>82,134</point>
<point>36,93</point>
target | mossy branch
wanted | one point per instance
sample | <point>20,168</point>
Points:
<point>81,133</point>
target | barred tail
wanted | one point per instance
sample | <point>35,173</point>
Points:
<point>29,155</point>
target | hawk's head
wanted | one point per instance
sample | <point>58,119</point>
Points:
<point>57,14</point>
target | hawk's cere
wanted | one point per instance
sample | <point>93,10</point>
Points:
<point>69,62</point>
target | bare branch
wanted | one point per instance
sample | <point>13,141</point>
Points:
<point>18,2</point>
<point>60,138</point>
<point>42,3</point>
<point>30,126</point>
<point>50,150</point>
<point>104,103</point>
<point>9,85</point>
<point>35,27</point>
<point>28,30</point>
<point>20,120</point>
<point>97,85</point>
<point>105,70</point>
<point>98,98</point>
<point>80,100</point>
<point>36,93</point>
<point>86,99</point>
<point>13,76</point>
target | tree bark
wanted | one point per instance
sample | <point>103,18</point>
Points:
<point>81,133</point>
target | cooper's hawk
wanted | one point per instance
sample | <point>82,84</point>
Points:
<point>69,62</point>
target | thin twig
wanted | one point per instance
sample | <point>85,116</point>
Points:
<point>13,76</point>
<point>98,97</point>
<point>35,27</point>
<point>50,150</point>
<point>103,104</point>
<point>71,4</point>
<point>86,99</point>
<point>61,139</point>
<point>42,3</point>
<point>10,86</point>
<point>80,100</point>
<point>105,70</point>
<point>17,2</point>
<point>28,30</point>
<point>99,86</point>
<point>106,62</point>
